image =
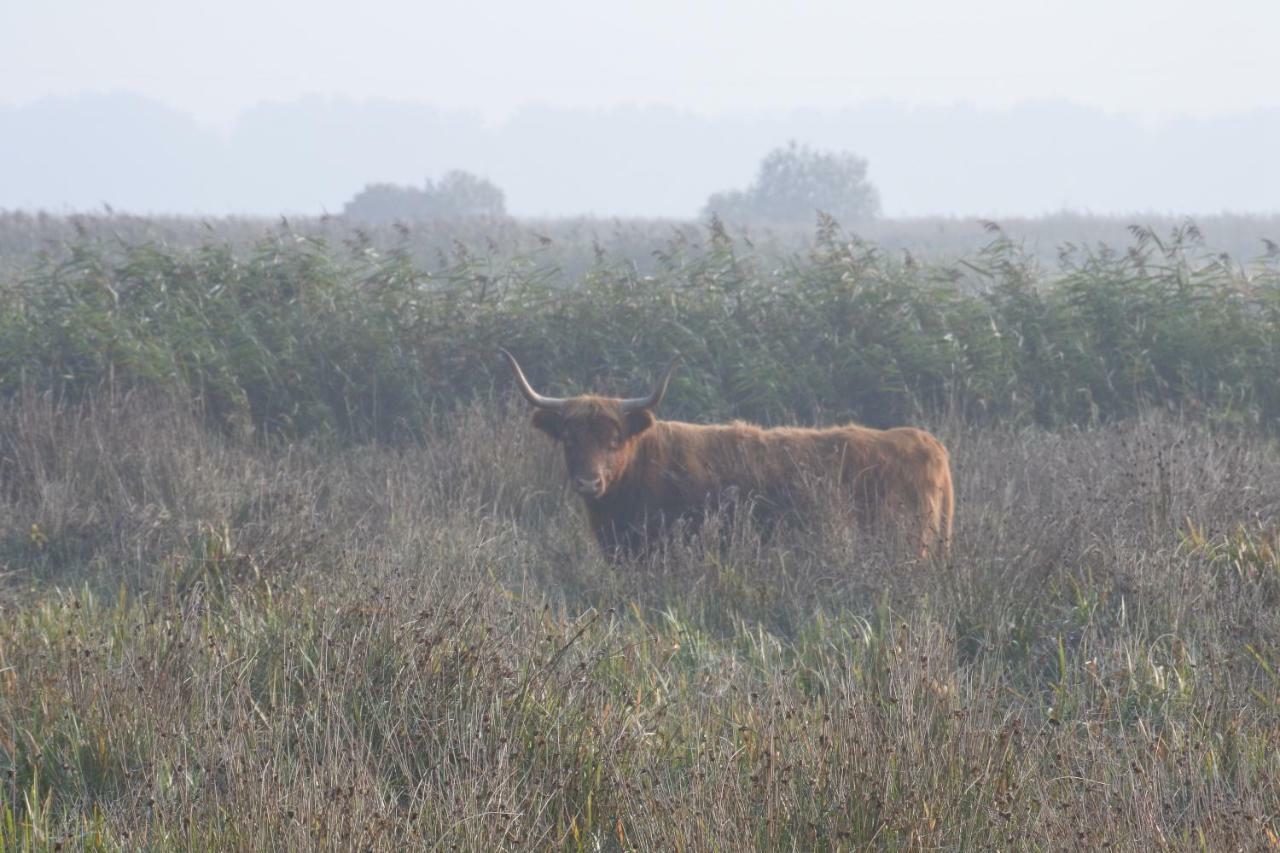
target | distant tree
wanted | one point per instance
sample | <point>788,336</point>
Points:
<point>458,194</point>
<point>463,194</point>
<point>385,203</point>
<point>796,181</point>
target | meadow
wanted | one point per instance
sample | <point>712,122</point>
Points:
<point>283,564</point>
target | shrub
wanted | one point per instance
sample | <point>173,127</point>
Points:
<point>795,183</point>
<point>457,194</point>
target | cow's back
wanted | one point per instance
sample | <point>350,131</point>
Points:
<point>681,468</point>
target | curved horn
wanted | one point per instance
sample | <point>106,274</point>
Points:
<point>652,401</point>
<point>529,394</point>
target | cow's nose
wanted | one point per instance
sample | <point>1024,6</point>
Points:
<point>592,485</point>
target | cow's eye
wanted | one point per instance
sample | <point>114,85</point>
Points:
<point>615,442</point>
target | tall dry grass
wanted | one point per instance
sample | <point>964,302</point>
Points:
<point>219,643</point>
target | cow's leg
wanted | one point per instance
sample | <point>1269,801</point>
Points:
<point>934,525</point>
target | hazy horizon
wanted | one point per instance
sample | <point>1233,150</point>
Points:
<point>1155,58</point>
<point>310,155</point>
<point>639,109</point>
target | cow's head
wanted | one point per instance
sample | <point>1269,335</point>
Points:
<point>598,433</point>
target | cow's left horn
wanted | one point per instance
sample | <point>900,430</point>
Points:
<point>527,390</point>
<point>652,401</point>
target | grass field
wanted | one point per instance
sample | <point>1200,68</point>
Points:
<point>283,564</point>
<point>218,644</point>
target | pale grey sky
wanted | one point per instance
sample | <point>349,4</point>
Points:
<point>992,107</point>
<point>1154,58</point>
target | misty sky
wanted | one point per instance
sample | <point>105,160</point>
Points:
<point>1157,58</point>
<point>1004,107</point>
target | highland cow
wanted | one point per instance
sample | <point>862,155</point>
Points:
<point>638,475</point>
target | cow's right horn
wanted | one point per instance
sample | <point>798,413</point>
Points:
<point>527,390</point>
<point>652,401</point>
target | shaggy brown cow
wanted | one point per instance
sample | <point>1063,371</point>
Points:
<point>638,474</point>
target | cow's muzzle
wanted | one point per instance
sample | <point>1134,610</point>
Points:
<point>591,486</point>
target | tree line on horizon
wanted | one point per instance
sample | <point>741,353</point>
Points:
<point>792,185</point>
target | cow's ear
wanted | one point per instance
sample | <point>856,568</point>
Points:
<point>639,421</point>
<point>549,422</point>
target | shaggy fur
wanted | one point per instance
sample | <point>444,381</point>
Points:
<point>638,474</point>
